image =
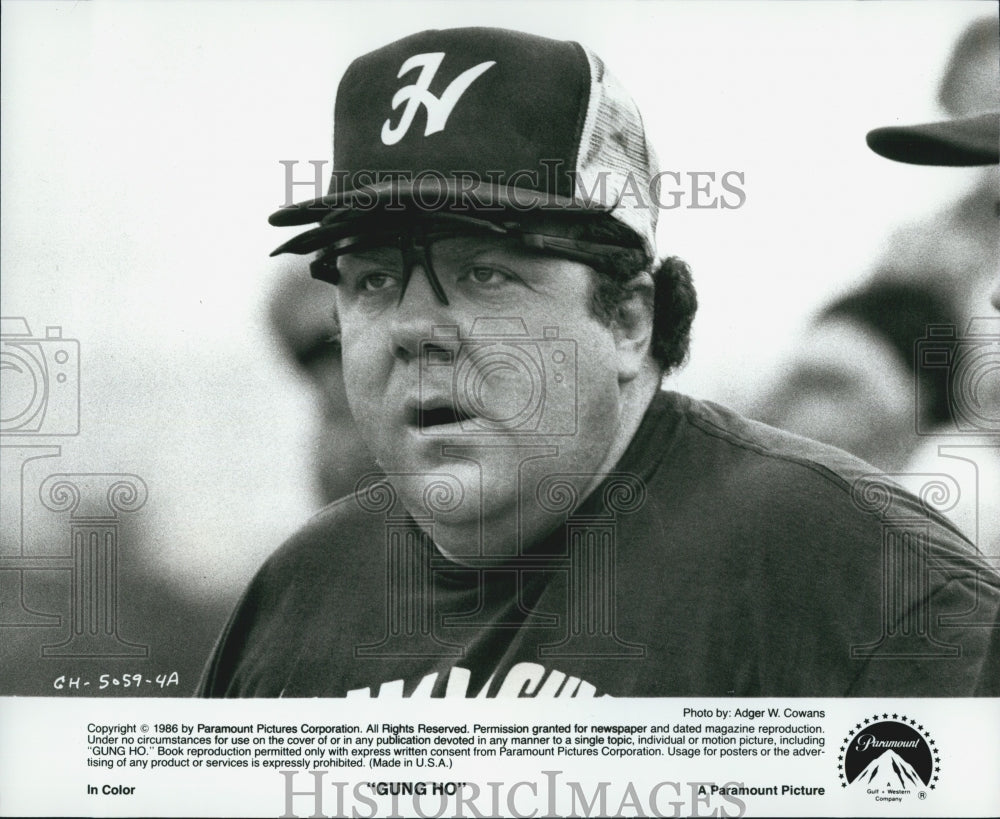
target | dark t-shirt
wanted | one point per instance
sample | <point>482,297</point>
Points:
<point>722,557</point>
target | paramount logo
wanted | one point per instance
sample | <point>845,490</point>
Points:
<point>890,760</point>
<point>866,741</point>
<point>889,771</point>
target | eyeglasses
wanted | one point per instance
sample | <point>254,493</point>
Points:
<point>417,242</point>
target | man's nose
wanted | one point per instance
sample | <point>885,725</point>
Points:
<point>414,318</point>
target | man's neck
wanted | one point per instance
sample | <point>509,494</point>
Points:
<point>636,396</point>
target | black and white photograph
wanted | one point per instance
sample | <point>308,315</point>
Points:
<point>411,361</point>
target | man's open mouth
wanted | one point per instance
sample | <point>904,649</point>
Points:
<point>431,416</point>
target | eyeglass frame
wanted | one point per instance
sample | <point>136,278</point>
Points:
<point>415,238</point>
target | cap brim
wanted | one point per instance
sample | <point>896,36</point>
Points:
<point>959,142</point>
<point>430,195</point>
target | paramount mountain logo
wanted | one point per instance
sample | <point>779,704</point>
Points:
<point>890,758</point>
<point>890,771</point>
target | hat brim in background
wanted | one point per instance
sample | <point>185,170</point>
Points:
<point>961,142</point>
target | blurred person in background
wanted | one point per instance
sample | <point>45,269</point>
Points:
<point>856,380</point>
<point>966,446</point>
<point>958,246</point>
<point>302,318</point>
<point>850,382</point>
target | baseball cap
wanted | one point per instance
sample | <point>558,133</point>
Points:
<point>482,119</point>
<point>965,141</point>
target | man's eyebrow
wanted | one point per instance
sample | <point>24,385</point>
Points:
<point>372,252</point>
<point>470,247</point>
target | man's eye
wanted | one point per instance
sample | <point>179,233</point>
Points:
<point>374,282</point>
<point>482,274</point>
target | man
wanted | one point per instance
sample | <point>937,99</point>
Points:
<point>974,391</point>
<point>964,141</point>
<point>960,142</point>
<point>857,360</point>
<point>549,523</point>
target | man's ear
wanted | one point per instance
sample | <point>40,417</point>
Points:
<point>632,326</point>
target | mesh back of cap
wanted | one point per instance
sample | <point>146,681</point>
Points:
<point>616,164</point>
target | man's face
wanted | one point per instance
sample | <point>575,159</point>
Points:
<point>511,381</point>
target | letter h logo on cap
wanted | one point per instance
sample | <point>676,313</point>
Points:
<point>438,108</point>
